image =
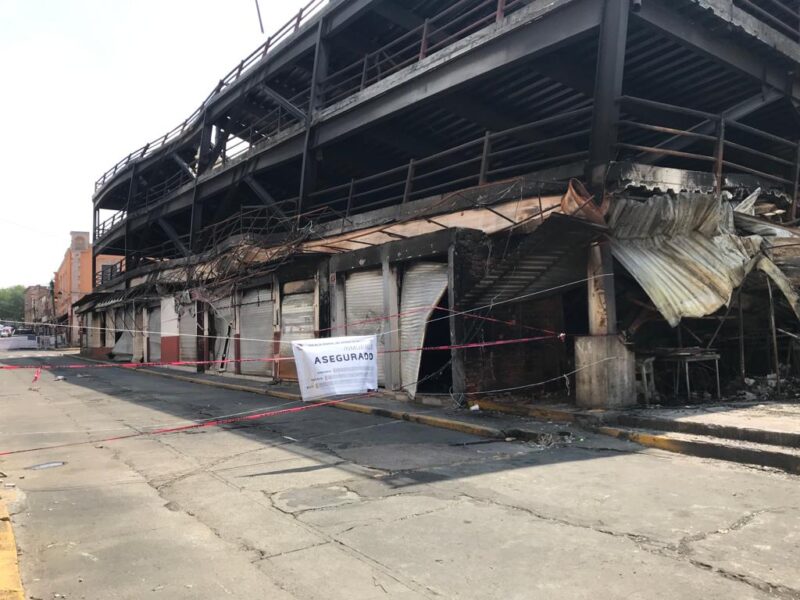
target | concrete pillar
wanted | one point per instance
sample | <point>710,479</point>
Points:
<point>146,331</point>
<point>606,368</point>
<point>93,328</point>
<point>606,372</point>
<point>138,334</point>
<point>391,308</point>
<point>602,303</point>
<point>170,332</point>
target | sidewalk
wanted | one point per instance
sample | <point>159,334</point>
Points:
<point>766,435</point>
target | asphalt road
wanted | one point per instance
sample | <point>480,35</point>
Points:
<point>329,504</point>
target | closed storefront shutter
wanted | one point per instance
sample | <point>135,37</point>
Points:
<point>364,310</point>
<point>123,325</point>
<point>187,328</point>
<point>255,330</point>
<point>297,323</point>
<point>222,313</point>
<point>423,287</point>
<point>154,327</point>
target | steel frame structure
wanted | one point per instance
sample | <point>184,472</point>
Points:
<point>356,105</point>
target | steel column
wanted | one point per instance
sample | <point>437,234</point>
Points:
<point>458,368</point>
<point>308,170</point>
<point>607,88</point>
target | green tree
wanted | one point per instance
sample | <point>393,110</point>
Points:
<point>12,303</point>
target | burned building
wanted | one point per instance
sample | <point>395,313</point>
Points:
<point>518,196</point>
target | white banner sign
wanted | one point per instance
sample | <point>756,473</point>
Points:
<point>335,366</point>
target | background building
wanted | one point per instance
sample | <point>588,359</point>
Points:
<point>38,305</point>
<point>72,281</point>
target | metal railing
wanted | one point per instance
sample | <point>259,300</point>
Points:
<point>494,156</point>
<point>103,228</point>
<point>447,27</point>
<point>711,140</point>
<point>109,272</point>
<point>455,22</point>
<point>783,15</point>
<point>273,42</point>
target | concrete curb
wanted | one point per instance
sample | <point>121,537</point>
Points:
<point>589,421</point>
<point>743,455</point>
<point>10,581</point>
<point>728,432</point>
<point>422,419</point>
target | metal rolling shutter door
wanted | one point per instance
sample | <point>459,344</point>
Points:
<point>222,313</point>
<point>123,326</point>
<point>297,323</point>
<point>364,302</point>
<point>187,328</point>
<point>256,332</point>
<point>423,286</point>
<point>154,327</point>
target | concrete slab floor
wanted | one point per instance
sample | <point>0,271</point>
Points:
<point>329,504</point>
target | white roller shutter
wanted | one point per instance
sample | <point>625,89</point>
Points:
<point>255,330</point>
<point>154,327</point>
<point>423,286</point>
<point>364,310</point>
<point>222,313</point>
<point>123,325</point>
<point>187,328</point>
<point>297,323</point>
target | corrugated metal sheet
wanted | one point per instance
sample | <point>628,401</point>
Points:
<point>364,309</point>
<point>682,250</point>
<point>423,286</point>
<point>256,331</point>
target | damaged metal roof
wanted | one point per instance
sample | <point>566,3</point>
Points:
<point>682,250</point>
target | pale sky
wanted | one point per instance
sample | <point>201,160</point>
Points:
<point>85,82</point>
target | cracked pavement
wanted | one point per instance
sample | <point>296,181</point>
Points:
<point>329,504</point>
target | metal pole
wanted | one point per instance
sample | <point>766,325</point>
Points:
<point>487,149</point>
<point>501,10</point>
<point>793,212</point>
<point>423,48</point>
<point>741,338</point>
<point>719,155</point>
<point>409,181</point>
<point>774,339</point>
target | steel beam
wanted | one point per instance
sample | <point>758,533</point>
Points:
<point>308,169</point>
<point>283,102</point>
<point>550,30</point>
<point>173,236</point>
<point>607,88</point>
<point>265,197</point>
<point>720,47</point>
<point>182,164</point>
<point>536,37</point>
